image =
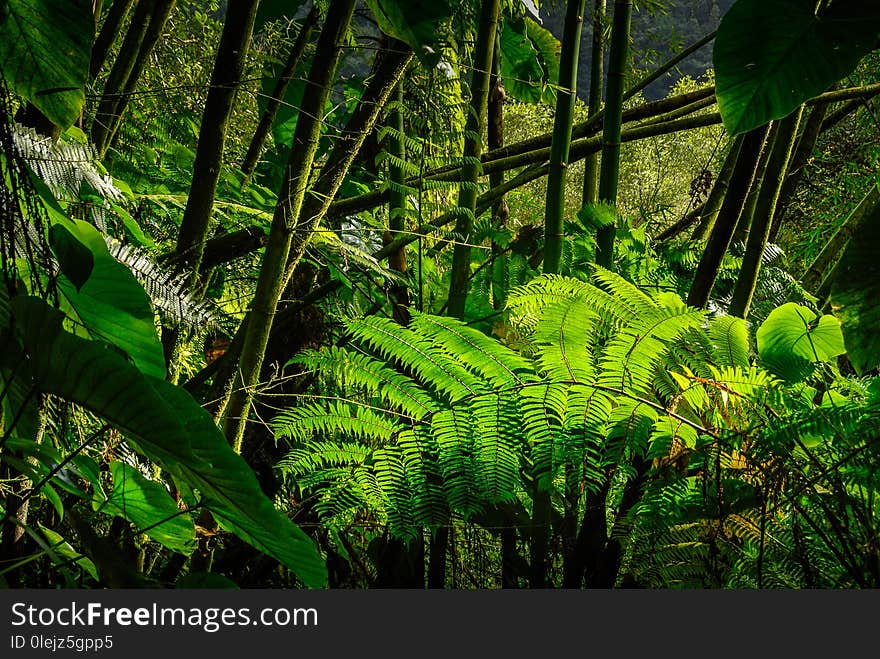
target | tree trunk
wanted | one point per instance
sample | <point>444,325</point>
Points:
<point>103,42</point>
<point>608,176</point>
<point>225,80</point>
<point>266,120</point>
<point>119,88</point>
<point>566,93</point>
<point>473,148</point>
<point>397,210</point>
<point>817,270</point>
<point>597,73</point>
<point>120,72</point>
<point>731,207</point>
<point>297,214</point>
<point>805,146</point>
<point>777,165</point>
<point>500,211</point>
<point>744,223</point>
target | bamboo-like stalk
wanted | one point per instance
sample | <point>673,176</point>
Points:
<point>500,209</point>
<point>597,73</point>
<point>473,148</point>
<point>610,170</point>
<point>397,207</point>
<point>566,95</point>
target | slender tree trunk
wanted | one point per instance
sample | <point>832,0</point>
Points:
<point>744,223</point>
<point>267,119</point>
<point>777,165</point>
<point>119,88</point>
<point>500,211</point>
<point>120,72</point>
<point>397,210</point>
<point>799,160</point>
<point>597,73</point>
<point>104,41</point>
<point>566,94</point>
<point>473,148</point>
<point>608,176</point>
<point>731,207</point>
<point>225,80</point>
<point>817,270</point>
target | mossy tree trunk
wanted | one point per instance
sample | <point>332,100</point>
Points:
<point>610,170</point>
<point>731,207</point>
<point>566,94</point>
<point>252,157</point>
<point>145,30</point>
<point>299,208</point>
<point>777,165</point>
<point>473,149</point>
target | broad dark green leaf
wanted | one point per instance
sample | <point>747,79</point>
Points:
<point>74,258</point>
<point>63,549</point>
<point>414,22</point>
<point>111,304</point>
<point>202,580</point>
<point>529,60</point>
<point>45,47</point>
<point>855,291</point>
<point>793,339</point>
<point>772,55</point>
<point>167,425</point>
<point>148,506</point>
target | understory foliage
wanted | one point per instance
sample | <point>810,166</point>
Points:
<point>435,422</point>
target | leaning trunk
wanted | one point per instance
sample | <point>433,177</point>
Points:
<point>777,165</point>
<point>731,208</point>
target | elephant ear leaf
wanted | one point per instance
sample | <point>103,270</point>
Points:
<point>414,22</point>
<point>148,506</point>
<point>772,55</point>
<point>793,339</point>
<point>45,47</point>
<point>165,424</point>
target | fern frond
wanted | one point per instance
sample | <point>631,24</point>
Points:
<point>485,357</point>
<point>360,371</point>
<point>349,420</point>
<point>169,294</point>
<point>418,354</point>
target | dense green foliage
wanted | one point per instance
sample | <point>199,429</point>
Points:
<point>334,361</point>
